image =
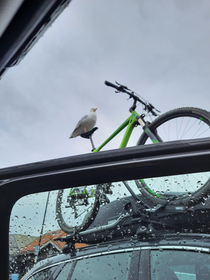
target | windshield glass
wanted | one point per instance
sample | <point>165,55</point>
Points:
<point>75,204</point>
<point>38,219</point>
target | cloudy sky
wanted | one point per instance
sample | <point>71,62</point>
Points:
<point>160,49</point>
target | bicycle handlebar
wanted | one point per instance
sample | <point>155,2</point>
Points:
<point>111,85</point>
<point>120,88</point>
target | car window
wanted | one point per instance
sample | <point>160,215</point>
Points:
<point>114,266</point>
<point>65,272</point>
<point>179,265</point>
<point>44,274</point>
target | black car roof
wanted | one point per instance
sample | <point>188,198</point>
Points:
<point>169,241</point>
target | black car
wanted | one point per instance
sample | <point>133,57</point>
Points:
<point>165,256</point>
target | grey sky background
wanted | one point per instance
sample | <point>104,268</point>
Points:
<point>160,49</point>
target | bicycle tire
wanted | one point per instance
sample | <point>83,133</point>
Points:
<point>69,227</point>
<point>196,196</point>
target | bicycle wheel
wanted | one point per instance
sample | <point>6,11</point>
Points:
<point>75,212</point>
<point>188,189</point>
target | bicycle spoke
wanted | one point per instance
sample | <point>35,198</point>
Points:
<point>179,124</point>
<point>86,210</point>
<point>76,215</point>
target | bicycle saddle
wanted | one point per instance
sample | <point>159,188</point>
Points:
<point>88,134</point>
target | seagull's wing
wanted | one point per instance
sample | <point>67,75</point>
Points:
<point>80,122</point>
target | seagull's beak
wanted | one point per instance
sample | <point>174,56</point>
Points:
<point>95,109</point>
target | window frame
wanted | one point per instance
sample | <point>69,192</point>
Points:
<point>162,159</point>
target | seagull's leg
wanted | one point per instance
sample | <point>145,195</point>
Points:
<point>85,129</point>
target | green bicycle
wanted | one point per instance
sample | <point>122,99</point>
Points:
<point>76,209</point>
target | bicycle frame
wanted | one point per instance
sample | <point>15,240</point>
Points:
<point>130,123</point>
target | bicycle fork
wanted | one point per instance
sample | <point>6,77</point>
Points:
<point>145,126</point>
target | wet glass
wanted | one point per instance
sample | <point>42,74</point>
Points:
<point>35,216</point>
<point>114,266</point>
<point>179,265</point>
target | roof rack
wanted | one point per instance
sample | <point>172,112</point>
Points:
<point>162,220</point>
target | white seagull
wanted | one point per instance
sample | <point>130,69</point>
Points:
<point>85,124</point>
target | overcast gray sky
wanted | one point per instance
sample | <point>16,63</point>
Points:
<point>160,49</point>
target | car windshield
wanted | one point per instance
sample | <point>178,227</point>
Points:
<point>75,204</point>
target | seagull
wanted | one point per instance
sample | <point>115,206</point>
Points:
<point>85,124</point>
